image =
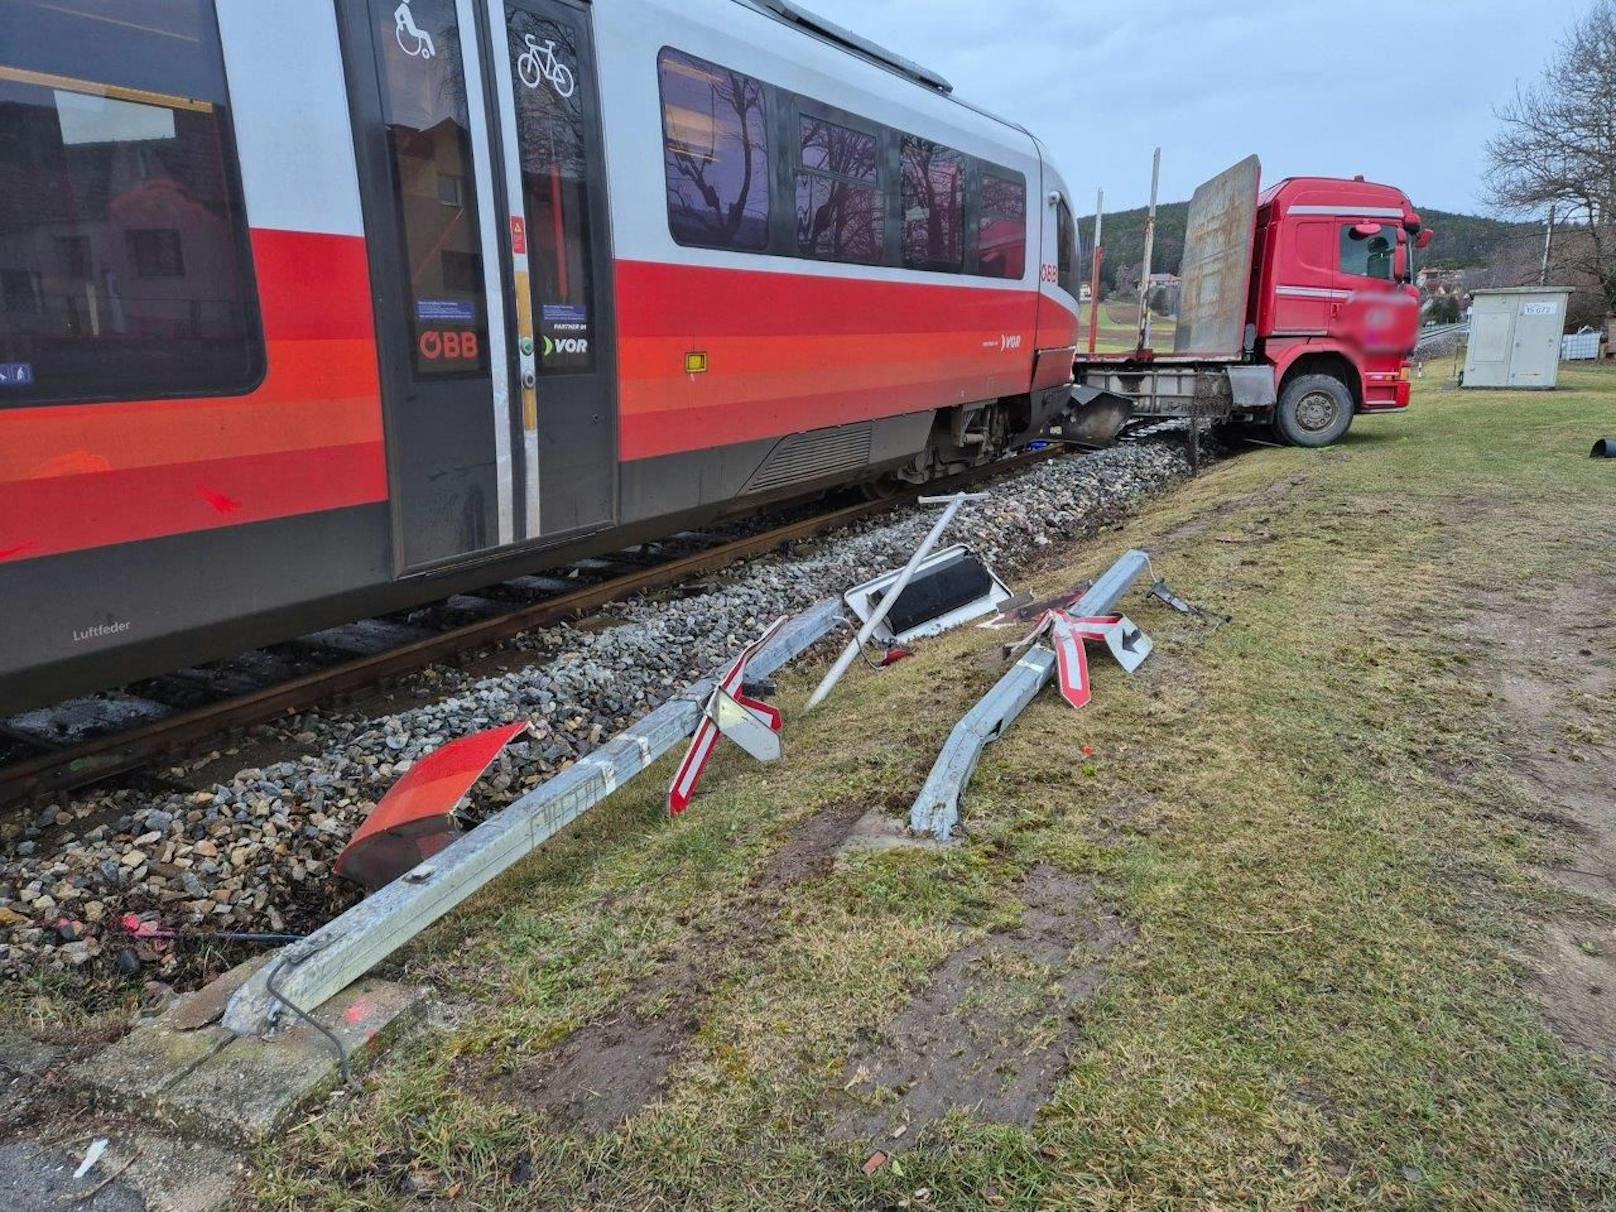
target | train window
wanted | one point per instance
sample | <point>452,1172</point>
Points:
<point>1001,233</point>
<point>125,267</point>
<point>550,129</point>
<point>1066,249</point>
<point>429,146</point>
<point>839,214</point>
<point>715,154</point>
<point>933,206</point>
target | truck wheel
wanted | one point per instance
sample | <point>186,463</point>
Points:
<point>1314,410</point>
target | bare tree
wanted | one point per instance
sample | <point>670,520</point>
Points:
<point>736,115</point>
<point>1557,147</point>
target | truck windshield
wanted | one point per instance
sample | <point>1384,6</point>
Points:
<point>1369,256</point>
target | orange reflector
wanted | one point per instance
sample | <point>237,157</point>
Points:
<point>415,819</point>
<point>1403,374</point>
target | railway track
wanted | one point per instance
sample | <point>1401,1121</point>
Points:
<point>131,731</point>
<point>1437,332</point>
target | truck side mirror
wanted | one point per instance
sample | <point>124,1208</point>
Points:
<point>1423,240</point>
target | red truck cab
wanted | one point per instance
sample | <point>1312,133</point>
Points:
<point>1296,307</point>
<point>1332,290</point>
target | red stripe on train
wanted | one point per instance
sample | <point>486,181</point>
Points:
<point>788,352</point>
<point>48,517</point>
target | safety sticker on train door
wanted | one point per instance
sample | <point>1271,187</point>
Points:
<point>16,374</point>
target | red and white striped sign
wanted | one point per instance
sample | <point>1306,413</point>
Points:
<point>1072,663</point>
<point>1127,643</point>
<point>706,736</point>
<point>1093,627</point>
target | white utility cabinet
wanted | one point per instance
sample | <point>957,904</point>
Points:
<point>1515,336</point>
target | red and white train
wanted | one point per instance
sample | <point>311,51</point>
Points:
<point>316,310</point>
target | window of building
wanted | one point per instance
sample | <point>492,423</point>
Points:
<point>73,255</point>
<point>429,142</point>
<point>933,206</point>
<point>715,154</point>
<point>839,214</point>
<point>20,288</point>
<point>156,252</point>
<point>551,131</point>
<point>128,265</point>
<point>1369,256</point>
<point>1001,229</point>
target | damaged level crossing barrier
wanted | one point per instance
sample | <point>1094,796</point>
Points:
<point>880,609</point>
<point>306,974</point>
<point>750,723</point>
<point>937,809</point>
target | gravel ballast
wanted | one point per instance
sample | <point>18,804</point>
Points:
<point>255,853</point>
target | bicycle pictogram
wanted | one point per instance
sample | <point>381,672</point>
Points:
<point>539,62</point>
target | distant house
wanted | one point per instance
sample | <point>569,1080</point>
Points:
<point>1163,294</point>
<point>1439,281</point>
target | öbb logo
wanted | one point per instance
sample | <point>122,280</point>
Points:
<point>448,345</point>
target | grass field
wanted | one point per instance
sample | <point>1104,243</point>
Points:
<point>1119,328</point>
<point>1292,918</point>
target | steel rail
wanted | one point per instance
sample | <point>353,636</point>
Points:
<point>1437,332</point>
<point>105,757</point>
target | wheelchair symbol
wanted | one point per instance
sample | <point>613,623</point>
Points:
<point>420,43</point>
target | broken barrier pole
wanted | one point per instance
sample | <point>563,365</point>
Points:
<point>878,612</point>
<point>937,810</point>
<point>307,973</point>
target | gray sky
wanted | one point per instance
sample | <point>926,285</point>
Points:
<point>1402,94</point>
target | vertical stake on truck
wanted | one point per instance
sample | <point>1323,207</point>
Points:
<point>1143,343</point>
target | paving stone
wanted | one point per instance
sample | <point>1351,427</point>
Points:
<point>254,1086</point>
<point>136,1069</point>
<point>192,1011</point>
<point>25,1057</point>
<point>878,830</point>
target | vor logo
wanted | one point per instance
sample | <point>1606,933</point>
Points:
<point>566,345</point>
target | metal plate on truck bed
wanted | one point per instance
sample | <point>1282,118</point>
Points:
<point>1216,268</point>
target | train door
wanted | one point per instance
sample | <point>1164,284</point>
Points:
<point>554,169</point>
<point>480,160</point>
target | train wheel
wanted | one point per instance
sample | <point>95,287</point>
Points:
<point>881,489</point>
<point>1314,410</point>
